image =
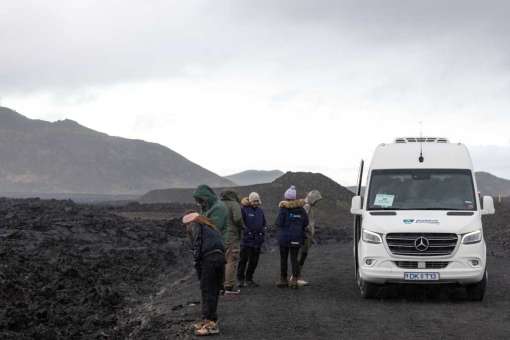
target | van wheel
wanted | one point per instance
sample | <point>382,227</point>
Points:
<point>476,291</point>
<point>367,290</point>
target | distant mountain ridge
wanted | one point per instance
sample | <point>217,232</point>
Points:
<point>65,157</point>
<point>250,177</point>
<point>488,184</point>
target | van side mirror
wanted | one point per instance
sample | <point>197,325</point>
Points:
<point>356,206</point>
<point>488,206</point>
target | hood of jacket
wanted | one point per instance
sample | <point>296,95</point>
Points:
<point>207,194</point>
<point>230,195</point>
<point>313,197</point>
<point>292,204</point>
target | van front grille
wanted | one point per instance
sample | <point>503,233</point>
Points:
<point>428,265</point>
<point>422,244</point>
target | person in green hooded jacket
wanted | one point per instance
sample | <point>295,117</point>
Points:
<point>232,238</point>
<point>211,206</point>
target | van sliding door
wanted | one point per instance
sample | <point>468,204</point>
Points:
<point>357,221</point>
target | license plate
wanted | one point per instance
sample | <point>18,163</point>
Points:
<point>421,276</point>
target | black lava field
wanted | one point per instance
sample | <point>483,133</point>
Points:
<point>70,271</point>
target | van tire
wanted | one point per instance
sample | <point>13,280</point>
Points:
<point>367,290</point>
<point>476,291</point>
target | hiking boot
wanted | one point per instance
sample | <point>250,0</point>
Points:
<point>199,325</point>
<point>252,284</point>
<point>208,328</point>
<point>283,283</point>
<point>293,283</point>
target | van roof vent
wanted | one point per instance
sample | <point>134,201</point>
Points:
<point>420,140</point>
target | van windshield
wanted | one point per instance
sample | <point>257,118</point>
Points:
<point>421,190</point>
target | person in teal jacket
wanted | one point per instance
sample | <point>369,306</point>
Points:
<point>211,206</point>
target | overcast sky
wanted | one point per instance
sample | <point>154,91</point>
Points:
<point>290,85</point>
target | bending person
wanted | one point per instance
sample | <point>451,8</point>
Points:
<point>209,257</point>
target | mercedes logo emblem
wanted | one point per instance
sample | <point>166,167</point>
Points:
<point>421,244</point>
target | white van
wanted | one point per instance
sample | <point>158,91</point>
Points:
<point>420,220</point>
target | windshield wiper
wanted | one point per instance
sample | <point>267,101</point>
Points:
<point>442,209</point>
<point>452,209</point>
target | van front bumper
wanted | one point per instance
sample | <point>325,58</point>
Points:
<point>384,269</point>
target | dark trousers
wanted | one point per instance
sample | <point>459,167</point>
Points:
<point>303,254</point>
<point>249,257</point>
<point>284,256</point>
<point>211,282</point>
<point>302,258</point>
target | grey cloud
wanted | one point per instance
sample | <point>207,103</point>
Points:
<point>64,44</point>
<point>59,44</point>
<point>399,17</point>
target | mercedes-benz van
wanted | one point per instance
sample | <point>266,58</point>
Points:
<point>420,218</point>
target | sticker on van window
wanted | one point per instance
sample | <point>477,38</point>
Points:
<point>384,200</point>
<point>468,205</point>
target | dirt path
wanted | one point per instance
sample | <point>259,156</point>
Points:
<point>332,309</point>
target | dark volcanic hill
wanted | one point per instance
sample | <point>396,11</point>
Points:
<point>250,177</point>
<point>489,184</point>
<point>64,157</point>
<point>333,210</point>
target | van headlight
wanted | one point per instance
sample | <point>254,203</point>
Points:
<point>371,237</point>
<point>471,238</point>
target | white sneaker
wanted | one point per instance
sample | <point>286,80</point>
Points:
<point>302,282</point>
<point>232,291</point>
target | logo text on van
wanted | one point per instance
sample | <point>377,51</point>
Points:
<point>426,221</point>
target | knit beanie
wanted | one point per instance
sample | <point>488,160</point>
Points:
<point>254,198</point>
<point>291,194</point>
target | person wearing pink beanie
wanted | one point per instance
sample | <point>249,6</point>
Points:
<point>291,221</point>
<point>291,193</point>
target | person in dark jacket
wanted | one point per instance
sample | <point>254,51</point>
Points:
<point>253,238</point>
<point>209,257</point>
<point>292,221</point>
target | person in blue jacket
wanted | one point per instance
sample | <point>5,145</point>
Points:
<point>292,221</point>
<point>253,238</point>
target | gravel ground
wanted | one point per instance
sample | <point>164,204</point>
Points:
<point>71,271</point>
<point>332,308</point>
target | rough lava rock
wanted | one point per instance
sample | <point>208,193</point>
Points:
<point>66,270</point>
